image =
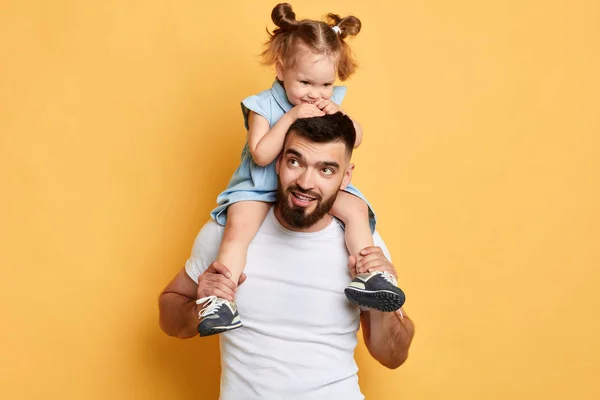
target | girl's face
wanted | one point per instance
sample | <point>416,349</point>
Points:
<point>309,79</point>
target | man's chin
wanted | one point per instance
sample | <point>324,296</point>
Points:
<point>298,217</point>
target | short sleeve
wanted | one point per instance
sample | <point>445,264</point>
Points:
<point>259,105</point>
<point>205,250</point>
<point>378,241</point>
<point>339,92</point>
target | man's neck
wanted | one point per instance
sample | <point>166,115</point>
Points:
<point>318,226</point>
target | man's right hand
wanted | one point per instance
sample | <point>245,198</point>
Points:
<point>215,281</point>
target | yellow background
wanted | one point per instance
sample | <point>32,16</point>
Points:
<point>120,123</point>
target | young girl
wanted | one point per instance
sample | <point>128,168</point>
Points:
<point>308,55</point>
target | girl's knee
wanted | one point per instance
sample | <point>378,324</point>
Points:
<point>243,221</point>
<point>348,207</point>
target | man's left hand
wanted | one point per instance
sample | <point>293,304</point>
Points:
<point>372,259</point>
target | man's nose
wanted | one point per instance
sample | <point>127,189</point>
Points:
<point>307,180</point>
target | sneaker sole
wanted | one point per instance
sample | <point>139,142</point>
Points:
<point>215,330</point>
<point>379,300</point>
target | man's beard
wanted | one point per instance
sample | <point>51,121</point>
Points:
<point>299,217</point>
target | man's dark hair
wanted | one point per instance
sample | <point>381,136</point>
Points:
<point>327,129</point>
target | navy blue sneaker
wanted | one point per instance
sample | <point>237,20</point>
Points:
<point>217,316</point>
<point>377,290</point>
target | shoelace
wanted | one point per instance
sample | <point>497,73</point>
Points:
<point>213,304</point>
<point>388,277</point>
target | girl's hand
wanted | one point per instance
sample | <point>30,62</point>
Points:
<point>328,106</point>
<point>306,110</point>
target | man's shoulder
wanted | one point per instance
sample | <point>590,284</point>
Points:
<point>211,228</point>
<point>205,249</point>
<point>208,238</point>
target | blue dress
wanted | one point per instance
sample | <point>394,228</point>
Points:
<point>253,182</point>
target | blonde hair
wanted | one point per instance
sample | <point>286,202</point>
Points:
<point>318,36</point>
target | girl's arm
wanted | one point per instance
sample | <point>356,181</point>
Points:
<point>266,143</point>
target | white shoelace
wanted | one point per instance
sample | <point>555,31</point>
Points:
<point>213,304</point>
<point>388,277</point>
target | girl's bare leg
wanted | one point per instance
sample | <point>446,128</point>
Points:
<point>243,220</point>
<point>354,213</point>
<point>377,290</point>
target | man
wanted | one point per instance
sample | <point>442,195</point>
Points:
<point>299,331</point>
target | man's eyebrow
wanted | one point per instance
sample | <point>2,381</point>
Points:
<point>332,164</point>
<point>294,153</point>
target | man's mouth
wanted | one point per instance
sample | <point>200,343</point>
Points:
<point>301,200</point>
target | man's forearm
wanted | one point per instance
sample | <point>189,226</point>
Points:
<point>178,315</point>
<point>388,336</point>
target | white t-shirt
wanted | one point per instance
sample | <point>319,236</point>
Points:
<point>299,331</point>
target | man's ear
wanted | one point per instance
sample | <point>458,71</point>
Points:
<point>347,177</point>
<point>279,69</point>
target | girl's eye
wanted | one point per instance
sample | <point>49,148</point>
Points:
<point>304,82</point>
<point>327,84</point>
